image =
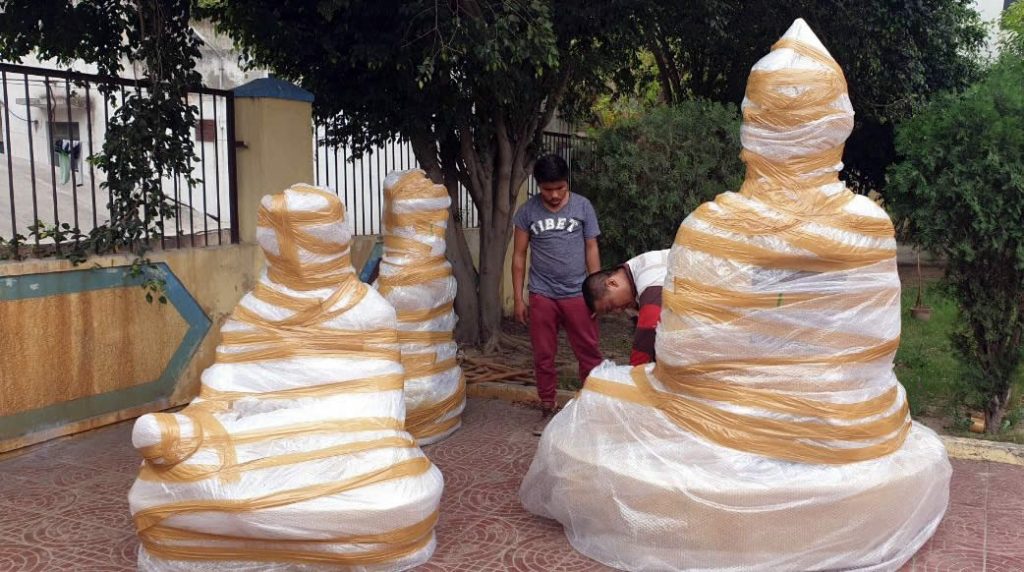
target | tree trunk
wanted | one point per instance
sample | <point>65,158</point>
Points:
<point>467,299</point>
<point>995,409</point>
<point>467,302</point>
<point>663,74</point>
<point>439,163</point>
<point>493,246</point>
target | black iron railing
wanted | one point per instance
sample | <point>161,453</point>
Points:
<point>54,120</point>
<point>360,182</point>
<point>566,145</point>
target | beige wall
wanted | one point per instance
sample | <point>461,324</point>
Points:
<point>76,355</point>
<point>275,152</point>
<point>80,348</point>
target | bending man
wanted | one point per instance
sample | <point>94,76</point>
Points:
<point>633,286</point>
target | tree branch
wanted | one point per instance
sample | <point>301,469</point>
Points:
<point>552,101</point>
<point>425,149</point>
<point>471,163</point>
<point>663,79</point>
<point>673,71</point>
<point>505,160</point>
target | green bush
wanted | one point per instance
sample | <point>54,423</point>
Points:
<point>1012,24</point>
<point>645,174</point>
<point>959,188</point>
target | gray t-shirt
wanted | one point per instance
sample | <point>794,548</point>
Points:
<point>558,258</point>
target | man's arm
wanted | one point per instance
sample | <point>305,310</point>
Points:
<point>593,256</point>
<point>646,326</point>
<point>520,242</point>
<point>591,230</point>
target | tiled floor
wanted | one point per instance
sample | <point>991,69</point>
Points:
<point>63,506</point>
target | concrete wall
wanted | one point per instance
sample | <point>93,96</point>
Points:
<point>80,347</point>
<point>275,151</point>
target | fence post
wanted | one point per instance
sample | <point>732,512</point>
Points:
<point>273,144</point>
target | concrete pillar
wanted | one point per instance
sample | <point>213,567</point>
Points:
<point>274,135</point>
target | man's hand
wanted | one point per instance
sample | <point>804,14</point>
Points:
<point>522,312</point>
<point>520,242</point>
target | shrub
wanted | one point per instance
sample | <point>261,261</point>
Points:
<point>645,174</point>
<point>959,189</point>
<point>1012,24</point>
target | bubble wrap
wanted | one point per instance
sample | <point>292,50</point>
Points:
<point>418,281</point>
<point>294,456</point>
<point>771,434</point>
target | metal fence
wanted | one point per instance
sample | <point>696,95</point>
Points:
<point>568,146</point>
<point>360,182</point>
<point>54,120</point>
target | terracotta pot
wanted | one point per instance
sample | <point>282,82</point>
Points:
<point>923,313</point>
<point>977,423</point>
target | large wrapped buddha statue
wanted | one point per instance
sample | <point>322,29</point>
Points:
<point>418,281</point>
<point>772,433</point>
<point>294,456</point>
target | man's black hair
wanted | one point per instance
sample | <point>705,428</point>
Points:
<point>550,168</point>
<point>595,287</point>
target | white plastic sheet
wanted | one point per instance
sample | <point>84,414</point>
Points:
<point>772,433</point>
<point>418,281</point>
<point>294,456</point>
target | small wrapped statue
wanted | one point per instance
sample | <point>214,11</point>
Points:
<point>294,456</point>
<point>772,433</point>
<point>418,281</point>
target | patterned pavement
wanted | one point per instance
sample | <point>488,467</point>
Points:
<point>63,506</point>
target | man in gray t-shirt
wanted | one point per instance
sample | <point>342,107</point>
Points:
<point>559,229</point>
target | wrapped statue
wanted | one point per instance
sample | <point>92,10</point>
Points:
<point>418,281</point>
<point>294,456</point>
<point>772,433</point>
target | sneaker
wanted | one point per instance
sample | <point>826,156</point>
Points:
<point>546,413</point>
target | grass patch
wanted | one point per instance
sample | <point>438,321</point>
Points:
<point>925,362</point>
<point>928,368</point>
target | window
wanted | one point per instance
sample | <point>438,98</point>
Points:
<point>66,144</point>
<point>206,131</point>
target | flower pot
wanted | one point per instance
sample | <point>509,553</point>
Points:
<point>923,313</point>
<point>977,423</point>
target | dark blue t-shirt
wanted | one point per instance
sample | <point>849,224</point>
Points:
<point>558,258</point>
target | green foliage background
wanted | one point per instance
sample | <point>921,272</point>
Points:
<point>959,190</point>
<point>646,173</point>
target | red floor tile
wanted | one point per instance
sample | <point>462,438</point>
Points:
<point>962,527</point>
<point>1005,532</point>
<point>937,559</point>
<point>40,497</point>
<point>967,486</point>
<point>63,506</point>
<point>25,558</point>
<point>1004,563</point>
<point>107,510</point>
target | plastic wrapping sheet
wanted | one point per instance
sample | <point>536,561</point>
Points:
<point>294,455</point>
<point>418,281</point>
<point>771,434</point>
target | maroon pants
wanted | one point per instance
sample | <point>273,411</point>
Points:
<point>546,315</point>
